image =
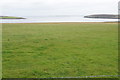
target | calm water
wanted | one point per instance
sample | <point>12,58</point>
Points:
<point>57,18</point>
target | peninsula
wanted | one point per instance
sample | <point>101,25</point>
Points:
<point>102,16</point>
<point>10,17</point>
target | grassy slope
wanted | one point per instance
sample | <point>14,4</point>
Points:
<point>59,50</point>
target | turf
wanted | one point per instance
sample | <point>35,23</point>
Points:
<point>59,50</point>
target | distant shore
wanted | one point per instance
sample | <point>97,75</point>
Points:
<point>53,19</point>
<point>11,17</point>
<point>103,16</point>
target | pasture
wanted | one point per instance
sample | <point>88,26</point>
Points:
<point>42,50</point>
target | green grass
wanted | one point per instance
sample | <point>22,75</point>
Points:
<point>59,50</point>
<point>11,17</point>
<point>0,51</point>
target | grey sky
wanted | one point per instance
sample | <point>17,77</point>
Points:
<point>57,7</point>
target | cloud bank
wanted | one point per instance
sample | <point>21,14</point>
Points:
<point>58,7</point>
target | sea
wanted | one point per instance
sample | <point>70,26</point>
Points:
<point>55,18</point>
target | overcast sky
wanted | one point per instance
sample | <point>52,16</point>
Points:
<point>57,7</point>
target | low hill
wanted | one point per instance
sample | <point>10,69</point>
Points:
<point>10,17</point>
<point>102,16</point>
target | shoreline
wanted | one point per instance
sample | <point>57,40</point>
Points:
<point>59,23</point>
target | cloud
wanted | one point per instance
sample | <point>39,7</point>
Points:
<point>52,7</point>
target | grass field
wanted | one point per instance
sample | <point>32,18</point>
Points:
<point>60,50</point>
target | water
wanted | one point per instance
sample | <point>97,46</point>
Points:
<point>55,18</point>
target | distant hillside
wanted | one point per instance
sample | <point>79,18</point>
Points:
<point>102,16</point>
<point>10,17</point>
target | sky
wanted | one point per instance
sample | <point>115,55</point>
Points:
<point>57,7</point>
